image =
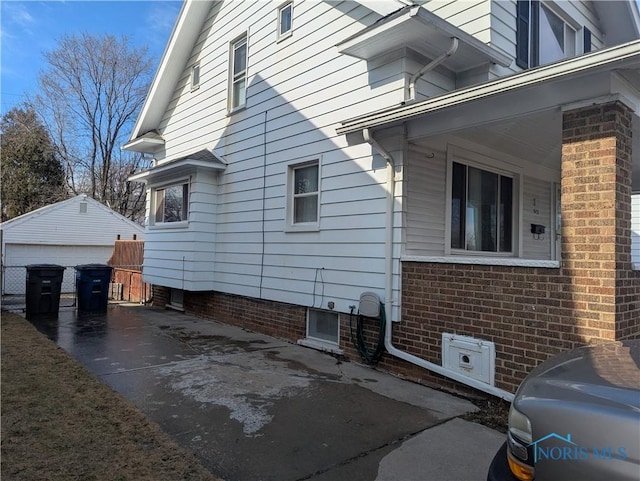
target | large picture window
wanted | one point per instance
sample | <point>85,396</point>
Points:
<point>171,203</point>
<point>238,73</point>
<point>482,210</point>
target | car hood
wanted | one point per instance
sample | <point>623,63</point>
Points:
<point>606,374</point>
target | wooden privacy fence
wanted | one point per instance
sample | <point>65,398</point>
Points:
<point>127,284</point>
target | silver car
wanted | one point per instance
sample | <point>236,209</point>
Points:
<point>576,417</point>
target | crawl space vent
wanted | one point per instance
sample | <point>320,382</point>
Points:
<point>472,357</point>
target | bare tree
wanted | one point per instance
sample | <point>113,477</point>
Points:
<point>91,92</point>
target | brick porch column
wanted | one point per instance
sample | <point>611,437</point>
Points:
<point>596,221</point>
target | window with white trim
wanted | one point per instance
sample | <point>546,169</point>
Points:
<point>285,20</point>
<point>482,210</point>
<point>171,203</point>
<point>543,36</point>
<point>304,195</point>
<point>195,77</point>
<point>238,73</point>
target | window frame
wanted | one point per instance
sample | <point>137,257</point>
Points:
<point>528,38</point>
<point>234,77</point>
<point>153,222</point>
<point>291,225</point>
<point>494,166</point>
<point>319,340</point>
<point>194,76</point>
<point>280,34</point>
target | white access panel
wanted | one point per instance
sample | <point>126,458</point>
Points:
<point>475,358</point>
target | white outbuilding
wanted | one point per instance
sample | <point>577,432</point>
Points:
<point>76,231</point>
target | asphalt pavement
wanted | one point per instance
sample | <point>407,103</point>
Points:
<point>253,408</point>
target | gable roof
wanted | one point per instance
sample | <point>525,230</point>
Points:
<point>183,37</point>
<point>47,209</point>
<point>177,52</point>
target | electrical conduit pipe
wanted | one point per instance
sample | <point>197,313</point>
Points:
<point>388,344</point>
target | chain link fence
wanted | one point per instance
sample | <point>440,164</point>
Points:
<point>126,285</point>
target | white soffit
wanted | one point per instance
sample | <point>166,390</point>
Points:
<point>621,57</point>
<point>202,159</point>
<point>174,60</point>
<point>426,33</point>
<point>149,142</point>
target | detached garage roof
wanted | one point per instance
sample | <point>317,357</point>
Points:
<point>80,220</point>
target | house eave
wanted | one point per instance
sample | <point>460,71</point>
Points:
<point>144,144</point>
<point>619,57</point>
<point>201,160</point>
<point>183,37</point>
<point>426,33</point>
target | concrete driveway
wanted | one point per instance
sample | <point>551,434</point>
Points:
<point>252,407</point>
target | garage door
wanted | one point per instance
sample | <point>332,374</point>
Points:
<point>19,255</point>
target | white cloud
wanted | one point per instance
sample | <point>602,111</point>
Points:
<point>162,16</point>
<point>17,14</point>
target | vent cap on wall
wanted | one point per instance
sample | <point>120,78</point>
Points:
<point>475,358</point>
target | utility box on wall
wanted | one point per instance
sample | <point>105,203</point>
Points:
<point>472,357</point>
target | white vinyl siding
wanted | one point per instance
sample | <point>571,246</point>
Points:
<point>494,22</point>
<point>425,217</point>
<point>182,256</point>
<point>426,180</point>
<point>297,92</point>
<point>537,209</point>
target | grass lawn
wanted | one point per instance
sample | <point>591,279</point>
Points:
<point>59,422</point>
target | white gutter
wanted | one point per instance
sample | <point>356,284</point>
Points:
<point>410,93</point>
<point>388,289</point>
<point>620,54</point>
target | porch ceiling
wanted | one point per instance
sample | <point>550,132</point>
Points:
<point>536,138</point>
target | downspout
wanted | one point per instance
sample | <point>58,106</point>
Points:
<point>388,289</point>
<point>410,93</point>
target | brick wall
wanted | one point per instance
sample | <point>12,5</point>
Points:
<point>533,313</point>
<point>596,212</point>
<point>159,295</point>
<point>285,321</point>
<point>529,313</point>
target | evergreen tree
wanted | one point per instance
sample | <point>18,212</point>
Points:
<point>31,175</point>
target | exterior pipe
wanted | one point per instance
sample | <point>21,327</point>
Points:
<point>388,294</point>
<point>411,90</point>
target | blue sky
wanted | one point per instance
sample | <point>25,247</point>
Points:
<point>29,28</point>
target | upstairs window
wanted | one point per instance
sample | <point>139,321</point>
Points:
<point>285,19</point>
<point>482,210</point>
<point>195,76</point>
<point>238,73</point>
<point>171,203</point>
<point>542,35</point>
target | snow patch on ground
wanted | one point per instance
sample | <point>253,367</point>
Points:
<point>214,380</point>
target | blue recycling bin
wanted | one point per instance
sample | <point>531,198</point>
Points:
<point>92,287</point>
<point>42,290</point>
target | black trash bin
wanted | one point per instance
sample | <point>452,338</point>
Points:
<point>44,282</point>
<point>92,287</point>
